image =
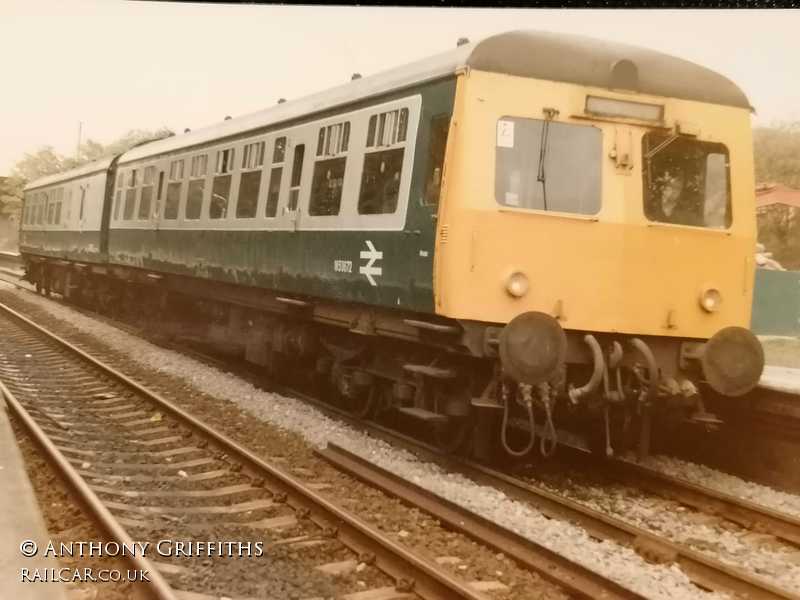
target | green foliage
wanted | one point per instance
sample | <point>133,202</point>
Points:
<point>10,192</point>
<point>46,161</point>
<point>777,154</point>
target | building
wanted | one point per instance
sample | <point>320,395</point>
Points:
<point>778,211</point>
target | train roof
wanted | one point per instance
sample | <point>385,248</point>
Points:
<point>535,54</point>
<point>87,169</point>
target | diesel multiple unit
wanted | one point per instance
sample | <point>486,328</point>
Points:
<point>532,236</point>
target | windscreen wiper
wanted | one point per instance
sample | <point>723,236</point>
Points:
<point>549,114</point>
<point>542,155</point>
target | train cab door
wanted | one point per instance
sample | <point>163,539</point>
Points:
<point>428,211</point>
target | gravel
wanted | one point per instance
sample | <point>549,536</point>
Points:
<point>763,556</point>
<point>617,562</point>
<point>725,483</point>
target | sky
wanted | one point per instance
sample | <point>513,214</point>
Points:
<point>115,66</point>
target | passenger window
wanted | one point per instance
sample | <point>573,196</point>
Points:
<point>383,162</point>
<point>220,195</point>
<point>174,190</point>
<point>387,128</point>
<point>297,175</point>
<point>197,184</point>
<point>173,200</point>
<point>250,180</point>
<point>440,125</point>
<point>548,165</point>
<point>59,199</point>
<point>221,187</point>
<point>273,193</point>
<point>146,197</point>
<point>380,182</point>
<point>328,178</point>
<point>326,187</point>
<point>279,152</point>
<point>83,197</point>
<point>130,203</point>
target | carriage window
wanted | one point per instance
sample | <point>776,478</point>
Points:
<point>130,203</point>
<point>220,196</point>
<point>174,187</point>
<point>197,185</point>
<point>685,181</point>
<point>221,187</point>
<point>194,198</point>
<point>59,199</point>
<point>176,170</point>
<point>132,178</point>
<point>146,197</point>
<point>119,180</point>
<point>83,197</point>
<point>279,152</point>
<point>326,187</point>
<point>387,128</point>
<point>173,200</point>
<point>249,186</point>
<point>548,165</point>
<point>380,182</point>
<point>440,125</point>
<point>199,166</point>
<point>68,207</point>
<point>224,161</point>
<point>253,155</point>
<point>250,181</point>
<point>297,175</point>
<point>273,193</point>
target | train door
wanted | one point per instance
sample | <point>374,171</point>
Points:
<point>425,218</point>
<point>292,209</point>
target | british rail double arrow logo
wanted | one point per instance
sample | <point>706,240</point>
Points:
<point>372,255</point>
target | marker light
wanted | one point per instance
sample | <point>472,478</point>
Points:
<point>710,300</point>
<point>517,285</point>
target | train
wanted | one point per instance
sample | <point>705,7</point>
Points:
<point>530,240</point>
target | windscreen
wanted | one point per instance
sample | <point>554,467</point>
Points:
<point>685,181</point>
<point>547,165</point>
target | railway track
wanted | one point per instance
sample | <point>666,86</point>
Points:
<point>704,571</point>
<point>164,475</point>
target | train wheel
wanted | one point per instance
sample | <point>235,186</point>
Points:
<point>455,435</point>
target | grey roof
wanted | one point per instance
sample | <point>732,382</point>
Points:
<point>536,54</point>
<point>87,169</point>
<point>587,61</point>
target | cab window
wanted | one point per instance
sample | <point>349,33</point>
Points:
<point>685,181</point>
<point>548,165</point>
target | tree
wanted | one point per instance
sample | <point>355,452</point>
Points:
<point>777,154</point>
<point>46,161</point>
